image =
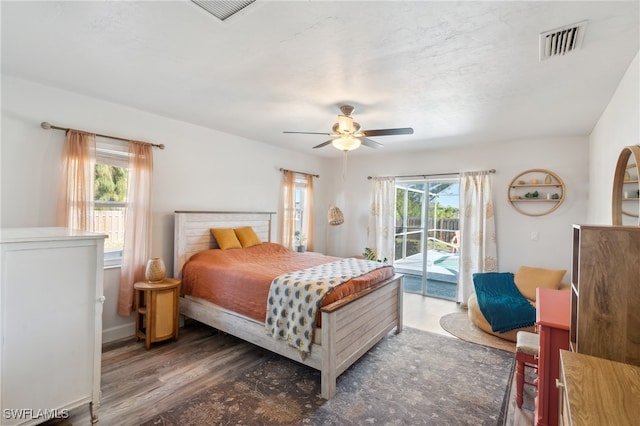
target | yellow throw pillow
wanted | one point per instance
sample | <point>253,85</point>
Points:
<point>247,236</point>
<point>226,238</point>
<point>528,279</point>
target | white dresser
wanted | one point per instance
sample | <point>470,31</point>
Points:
<point>50,323</point>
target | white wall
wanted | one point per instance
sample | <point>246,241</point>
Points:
<point>200,169</point>
<point>619,126</point>
<point>567,157</point>
<point>209,170</point>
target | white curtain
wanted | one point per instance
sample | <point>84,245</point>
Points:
<point>381,230</point>
<point>75,197</point>
<point>137,234</point>
<point>478,250</point>
<point>288,209</point>
<point>307,213</point>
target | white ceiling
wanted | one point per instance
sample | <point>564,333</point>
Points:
<point>457,72</point>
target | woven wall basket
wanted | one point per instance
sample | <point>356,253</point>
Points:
<point>335,216</point>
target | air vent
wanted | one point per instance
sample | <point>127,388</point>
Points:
<point>223,9</point>
<point>562,40</point>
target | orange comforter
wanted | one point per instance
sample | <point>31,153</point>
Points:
<point>239,279</point>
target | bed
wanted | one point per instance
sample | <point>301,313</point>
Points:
<point>349,327</point>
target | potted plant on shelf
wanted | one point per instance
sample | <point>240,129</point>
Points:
<point>300,239</point>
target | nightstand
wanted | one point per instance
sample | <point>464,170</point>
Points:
<point>156,308</point>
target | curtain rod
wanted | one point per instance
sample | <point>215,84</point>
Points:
<point>433,174</point>
<point>48,126</point>
<point>302,173</point>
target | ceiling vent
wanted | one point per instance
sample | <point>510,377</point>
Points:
<point>562,40</point>
<point>223,9</point>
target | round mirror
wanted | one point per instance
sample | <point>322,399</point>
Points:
<point>625,206</point>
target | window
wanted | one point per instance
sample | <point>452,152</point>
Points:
<point>296,220</point>
<point>299,197</point>
<point>110,196</point>
<point>119,165</point>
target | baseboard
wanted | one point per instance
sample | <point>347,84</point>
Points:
<point>117,333</point>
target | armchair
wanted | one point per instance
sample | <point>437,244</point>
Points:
<point>487,300</point>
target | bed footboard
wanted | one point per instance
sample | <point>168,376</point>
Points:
<point>352,326</point>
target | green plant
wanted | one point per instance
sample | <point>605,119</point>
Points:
<point>371,255</point>
<point>300,238</point>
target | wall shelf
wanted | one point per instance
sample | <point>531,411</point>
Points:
<point>540,186</point>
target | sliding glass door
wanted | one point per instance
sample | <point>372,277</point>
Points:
<point>427,236</point>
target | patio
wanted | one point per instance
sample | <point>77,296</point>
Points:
<point>442,273</point>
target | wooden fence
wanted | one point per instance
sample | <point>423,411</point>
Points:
<point>443,230</point>
<point>110,222</point>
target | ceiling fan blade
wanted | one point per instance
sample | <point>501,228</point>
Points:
<point>388,132</point>
<point>323,144</point>
<point>310,133</point>
<point>370,143</point>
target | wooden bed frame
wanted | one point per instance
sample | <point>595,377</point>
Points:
<point>350,327</point>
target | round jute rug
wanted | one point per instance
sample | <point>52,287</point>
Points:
<point>459,324</point>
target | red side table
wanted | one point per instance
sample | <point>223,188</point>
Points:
<point>553,319</point>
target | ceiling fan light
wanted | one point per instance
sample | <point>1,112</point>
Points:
<point>345,124</point>
<point>346,143</point>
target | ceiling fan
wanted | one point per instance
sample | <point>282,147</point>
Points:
<point>347,136</point>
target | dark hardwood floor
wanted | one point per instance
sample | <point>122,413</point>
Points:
<point>138,384</point>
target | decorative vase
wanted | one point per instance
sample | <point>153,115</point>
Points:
<point>547,179</point>
<point>155,271</point>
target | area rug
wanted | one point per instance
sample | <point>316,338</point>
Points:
<point>414,377</point>
<point>459,325</point>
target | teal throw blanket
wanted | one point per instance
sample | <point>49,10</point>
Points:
<point>501,303</point>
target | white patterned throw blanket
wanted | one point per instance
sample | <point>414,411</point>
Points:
<point>295,297</point>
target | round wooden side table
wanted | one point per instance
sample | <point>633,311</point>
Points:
<point>156,307</point>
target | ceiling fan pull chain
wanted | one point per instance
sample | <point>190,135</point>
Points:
<point>344,166</point>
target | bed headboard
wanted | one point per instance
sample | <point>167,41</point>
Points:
<point>192,231</point>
